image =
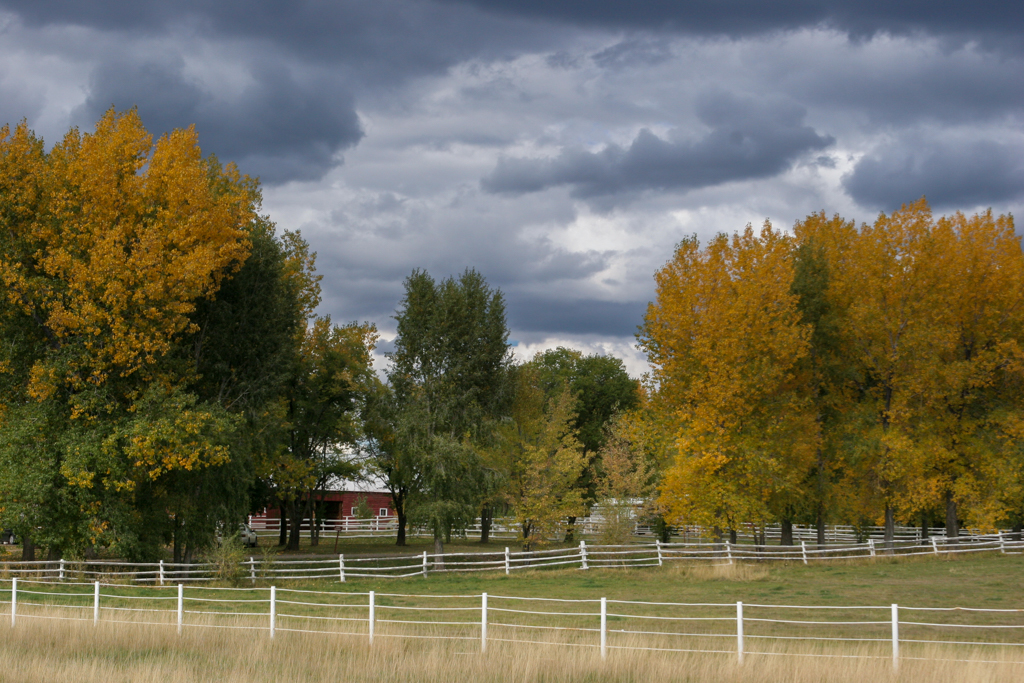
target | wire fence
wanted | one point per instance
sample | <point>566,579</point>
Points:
<point>734,629</point>
<point>584,556</point>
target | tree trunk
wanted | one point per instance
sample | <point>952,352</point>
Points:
<point>398,501</point>
<point>296,525</point>
<point>282,537</point>
<point>890,527</point>
<point>1016,531</point>
<point>787,532</point>
<point>819,524</point>
<point>925,523</point>
<point>28,549</point>
<point>439,552</point>
<point>400,513</point>
<point>952,527</point>
<point>570,531</point>
<point>485,523</point>
<point>732,536</point>
<point>314,521</point>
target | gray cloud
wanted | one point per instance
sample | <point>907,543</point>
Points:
<point>277,128</point>
<point>1000,19</point>
<point>575,317</point>
<point>747,140</point>
<point>952,173</point>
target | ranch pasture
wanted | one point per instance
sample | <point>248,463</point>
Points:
<point>555,640</point>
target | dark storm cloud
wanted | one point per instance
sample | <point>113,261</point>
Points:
<point>747,140</point>
<point>379,40</point>
<point>586,316</point>
<point>1001,18</point>
<point>951,173</point>
<point>277,128</point>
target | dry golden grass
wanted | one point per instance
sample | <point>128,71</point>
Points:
<point>56,651</point>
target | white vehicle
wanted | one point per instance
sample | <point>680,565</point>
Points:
<point>247,536</point>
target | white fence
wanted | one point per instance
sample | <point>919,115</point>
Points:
<point>584,556</point>
<point>506,529</point>
<point>735,629</point>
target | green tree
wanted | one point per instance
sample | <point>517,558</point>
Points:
<point>448,376</point>
<point>600,388</point>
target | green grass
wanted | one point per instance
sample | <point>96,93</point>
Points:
<point>976,580</point>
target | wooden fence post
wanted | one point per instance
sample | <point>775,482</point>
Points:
<point>657,544</point>
<point>96,604</point>
<point>424,563</point>
<point>181,606</point>
<point>483,622</point>
<point>273,609</point>
<point>583,555</point>
<point>161,572</point>
<point>14,599</point>
<point>803,550</point>
<point>935,546</point>
<point>507,561</point>
<point>728,551</point>
<point>871,546</point>
<point>895,636</point>
<point>341,567</point>
<point>739,632</point>
<point>604,627</point>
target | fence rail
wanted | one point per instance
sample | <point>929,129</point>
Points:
<point>506,529</point>
<point>735,629</point>
<point>583,556</point>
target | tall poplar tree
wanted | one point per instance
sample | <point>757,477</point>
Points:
<point>448,374</point>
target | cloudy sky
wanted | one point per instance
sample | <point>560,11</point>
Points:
<point>560,148</point>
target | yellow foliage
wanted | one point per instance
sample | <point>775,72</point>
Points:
<point>110,241</point>
<point>724,337</point>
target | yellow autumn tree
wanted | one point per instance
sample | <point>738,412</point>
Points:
<point>109,241</point>
<point>723,337</point>
<point>626,486</point>
<point>107,244</point>
<point>542,459</point>
<point>970,403</point>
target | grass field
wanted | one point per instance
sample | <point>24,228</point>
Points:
<point>57,651</point>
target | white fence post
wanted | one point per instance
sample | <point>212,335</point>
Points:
<point>583,555</point>
<point>604,627</point>
<point>483,622</point>
<point>739,632</point>
<point>935,546</point>
<point>895,636</point>
<point>803,550</point>
<point>424,563</point>
<point>1002,543</point>
<point>252,570</point>
<point>728,551</point>
<point>181,606</point>
<point>62,569</point>
<point>14,599</point>
<point>871,546</point>
<point>273,609</point>
<point>96,604</point>
<point>657,543</point>
<point>507,561</point>
<point>371,618</point>
<point>341,567</point>
<point>161,572</point>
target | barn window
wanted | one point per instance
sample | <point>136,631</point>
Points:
<point>383,512</point>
